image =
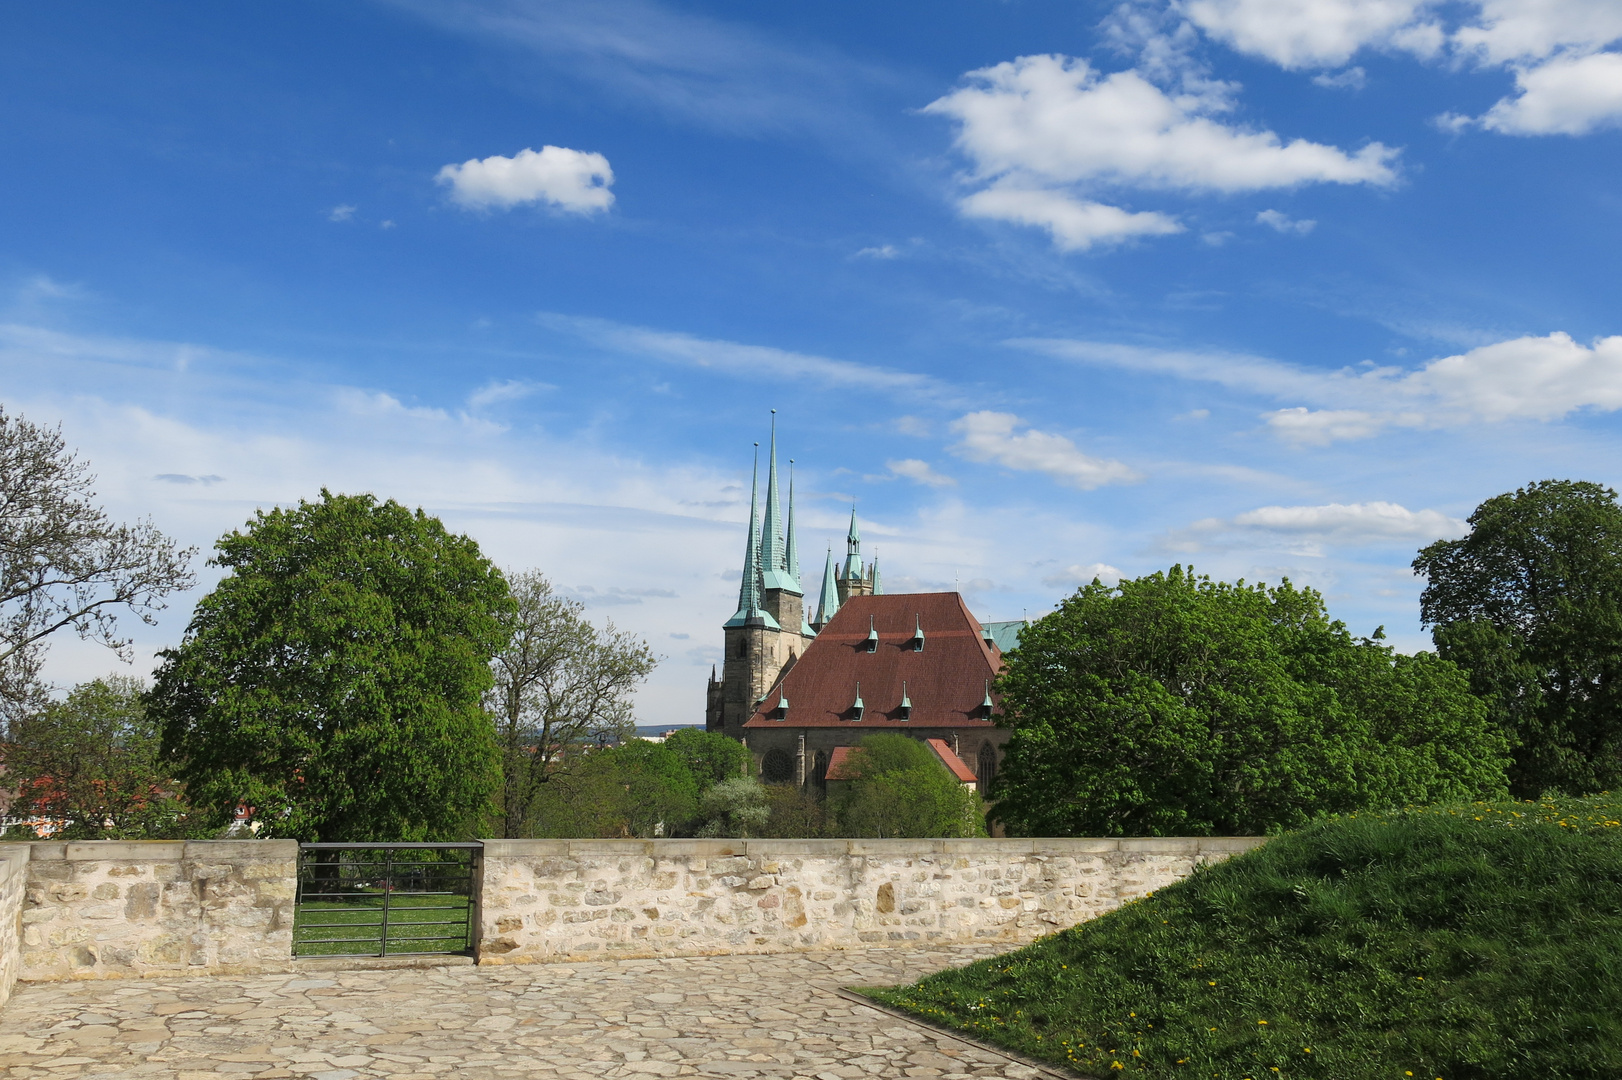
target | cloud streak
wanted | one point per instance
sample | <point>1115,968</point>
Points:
<point>996,438</point>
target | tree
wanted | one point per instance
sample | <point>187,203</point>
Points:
<point>638,789</point>
<point>1174,705</point>
<point>333,680</point>
<point>735,806</point>
<point>64,565</point>
<point>1530,604</point>
<point>901,790</point>
<point>709,755</point>
<point>89,765</point>
<point>558,682</point>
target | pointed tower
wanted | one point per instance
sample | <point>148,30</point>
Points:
<point>793,548</point>
<point>768,632</point>
<point>773,548</point>
<point>749,611</point>
<point>828,603</point>
<point>873,577</point>
<point>853,580</point>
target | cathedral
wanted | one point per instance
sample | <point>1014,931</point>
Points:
<point>799,692</point>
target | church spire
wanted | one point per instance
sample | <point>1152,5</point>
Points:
<point>749,611</point>
<point>873,575</point>
<point>853,549</point>
<point>792,548</point>
<point>829,602</point>
<point>774,569</point>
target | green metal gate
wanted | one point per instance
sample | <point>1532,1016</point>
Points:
<point>385,899</point>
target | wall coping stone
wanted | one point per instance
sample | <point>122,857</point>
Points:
<point>1083,845</point>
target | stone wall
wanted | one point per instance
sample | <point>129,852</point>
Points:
<point>13,880</point>
<point>545,900</point>
<point>115,909</point>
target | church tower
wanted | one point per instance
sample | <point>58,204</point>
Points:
<point>854,579</point>
<point>769,631</point>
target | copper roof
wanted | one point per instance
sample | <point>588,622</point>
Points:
<point>946,681</point>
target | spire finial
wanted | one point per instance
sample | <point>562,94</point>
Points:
<point>774,566</point>
<point>828,602</point>
<point>853,548</point>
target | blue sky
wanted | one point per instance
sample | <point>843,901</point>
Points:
<point>1275,287</point>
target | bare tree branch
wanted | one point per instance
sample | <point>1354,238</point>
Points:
<point>63,564</point>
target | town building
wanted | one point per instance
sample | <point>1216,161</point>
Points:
<point>796,691</point>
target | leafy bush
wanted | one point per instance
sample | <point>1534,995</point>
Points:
<point>901,790</point>
<point>1469,942</point>
<point>1174,705</point>
<point>736,806</point>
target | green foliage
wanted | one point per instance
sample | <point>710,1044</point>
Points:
<point>332,680</point>
<point>89,763</point>
<point>640,789</point>
<point>1469,941</point>
<point>1530,604</point>
<point>559,681</point>
<point>709,755</point>
<point>1174,705</point>
<point>796,812</point>
<point>901,790</point>
<point>736,806</point>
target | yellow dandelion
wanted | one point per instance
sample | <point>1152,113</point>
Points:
<point>1261,1021</point>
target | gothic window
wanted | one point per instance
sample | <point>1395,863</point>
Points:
<point>743,648</point>
<point>819,769</point>
<point>777,767</point>
<point>987,766</point>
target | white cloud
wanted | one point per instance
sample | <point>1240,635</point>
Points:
<point>1042,130</point>
<point>342,212</point>
<point>1510,31</point>
<point>1280,222</point>
<point>497,391</point>
<point>571,180</point>
<point>1308,530</point>
<point>1056,119</point>
<point>1525,378</point>
<point>1073,576</point>
<point>1314,33</point>
<point>1074,224</point>
<point>1353,78</point>
<point>885,251</point>
<point>734,358</point>
<point>992,437</point>
<point>1569,95</point>
<point>919,472</point>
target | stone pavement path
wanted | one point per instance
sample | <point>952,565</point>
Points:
<point>727,1016</point>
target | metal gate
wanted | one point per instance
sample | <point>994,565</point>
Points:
<point>385,899</point>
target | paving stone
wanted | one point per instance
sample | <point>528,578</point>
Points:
<point>726,1017</point>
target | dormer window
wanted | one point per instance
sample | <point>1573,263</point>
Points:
<point>905,712</point>
<point>781,712</point>
<point>917,633</point>
<point>858,708</point>
<point>872,642</point>
<point>987,706</point>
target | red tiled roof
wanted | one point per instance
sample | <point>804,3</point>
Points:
<point>953,763</point>
<point>946,682</point>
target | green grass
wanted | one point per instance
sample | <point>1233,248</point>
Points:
<point>361,922</point>
<point>1464,942</point>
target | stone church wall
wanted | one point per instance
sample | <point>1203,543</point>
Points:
<point>13,881</point>
<point>545,900</point>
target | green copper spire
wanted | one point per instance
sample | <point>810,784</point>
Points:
<point>873,575</point>
<point>853,549</point>
<point>792,548</point>
<point>829,602</point>
<point>749,611</point>
<point>773,555</point>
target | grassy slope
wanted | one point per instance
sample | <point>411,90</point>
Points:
<point>1457,942</point>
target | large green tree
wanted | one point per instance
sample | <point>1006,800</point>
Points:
<point>88,765</point>
<point>332,681</point>
<point>1530,604</point>
<point>1175,705</point>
